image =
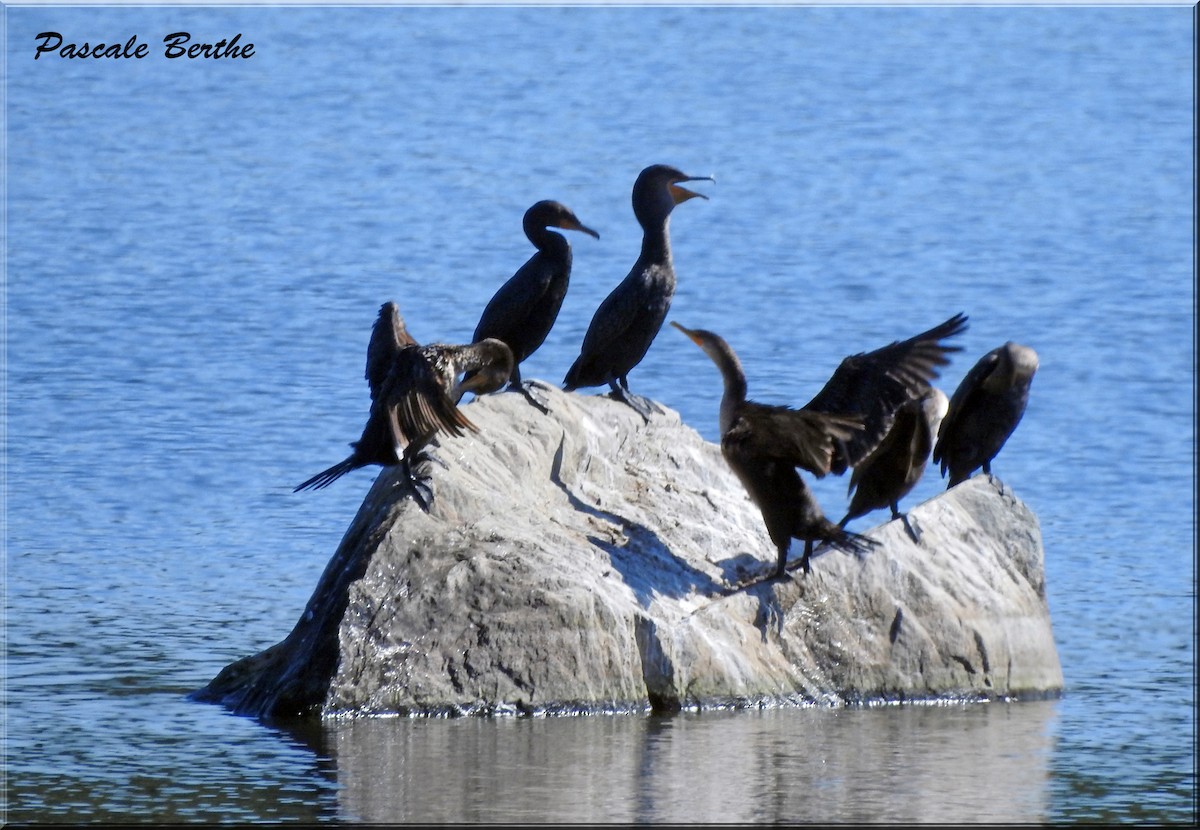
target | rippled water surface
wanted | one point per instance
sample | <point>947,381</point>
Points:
<point>196,251</point>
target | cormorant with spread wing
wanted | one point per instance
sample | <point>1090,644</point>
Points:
<point>837,429</point>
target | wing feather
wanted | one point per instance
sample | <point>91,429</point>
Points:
<point>872,385</point>
<point>388,336</point>
<point>417,402</point>
<point>797,437</point>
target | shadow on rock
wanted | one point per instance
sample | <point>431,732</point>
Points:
<point>649,567</point>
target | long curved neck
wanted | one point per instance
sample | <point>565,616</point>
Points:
<point>545,239</point>
<point>471,358</point>
<point>656,241</point>
<point>735,382</point>
<point>485,367</point>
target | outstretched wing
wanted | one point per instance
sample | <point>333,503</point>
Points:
<point>797,437</point>
<point>872,385</point>
<point>388,337</point>
<point>417,402</point>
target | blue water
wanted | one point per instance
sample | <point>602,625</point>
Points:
<point>196,251</point>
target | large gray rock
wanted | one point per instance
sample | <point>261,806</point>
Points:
<point>581,561</point>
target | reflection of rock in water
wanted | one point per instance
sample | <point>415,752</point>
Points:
<point>579,562</point>
<point>900,765</point>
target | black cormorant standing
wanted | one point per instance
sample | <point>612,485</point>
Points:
<point>628,320</point>
<point>984,410</point>
<point>523,310</point>
<point>834,431</point>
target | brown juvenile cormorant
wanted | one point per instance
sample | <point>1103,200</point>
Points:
<point>523,310</point>
<point>416,398</point>
<point>894,467</point>
<point>628,320</point>
<point>765,444</point>
<point>984,410</point>
<point>835,430</point>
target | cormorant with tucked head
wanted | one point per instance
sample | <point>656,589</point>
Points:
<point>414,396</point>
<point>523,310</point>
<point>984,410</point>
<point>629,318</point>
<point>837,429</point>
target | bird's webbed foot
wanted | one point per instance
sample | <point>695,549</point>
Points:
<point>784,573</point>
<point>641,405</point>
<point>526,389</point>
<point>914,532</point>
<point>804,563</point>
<point>418,484</point>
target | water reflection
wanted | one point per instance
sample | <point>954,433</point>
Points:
<point>951,764</point>
<point>173,762</point>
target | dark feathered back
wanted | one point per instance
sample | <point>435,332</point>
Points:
<point>984,410</point>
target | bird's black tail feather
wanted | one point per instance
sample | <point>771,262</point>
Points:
<point>851,542</point>
<point>327,477</point>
